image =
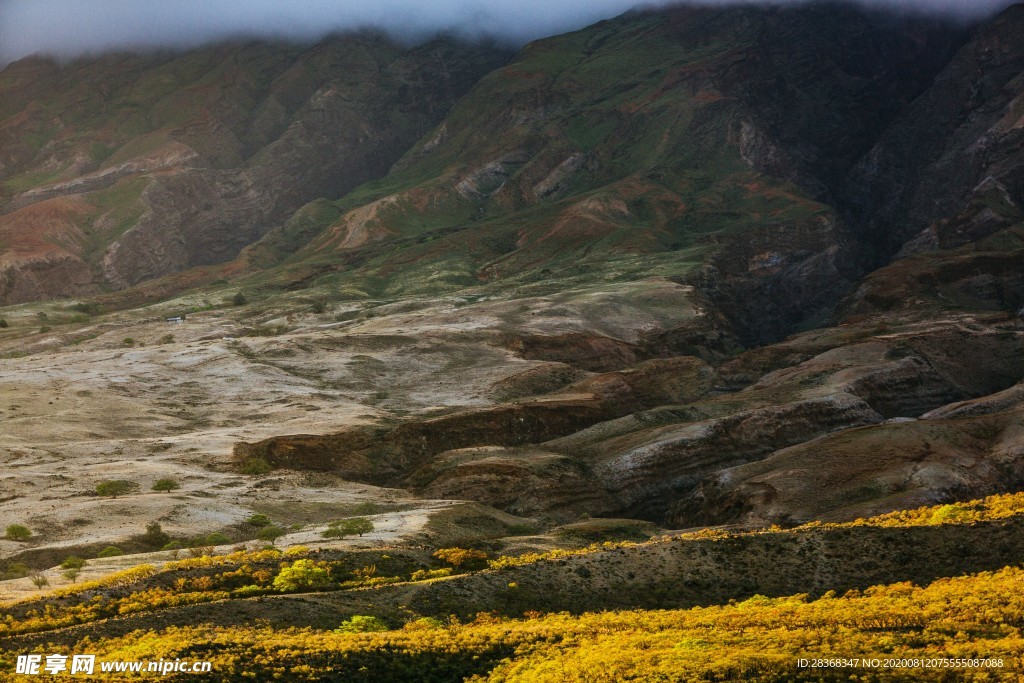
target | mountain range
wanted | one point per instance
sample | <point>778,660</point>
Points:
<point>733,266</point>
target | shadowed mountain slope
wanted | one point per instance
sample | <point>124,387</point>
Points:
<point>122,168</point>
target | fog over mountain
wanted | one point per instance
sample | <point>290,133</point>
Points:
<point>73,27</point>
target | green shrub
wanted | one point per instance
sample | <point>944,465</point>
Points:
<point>115,487</point>
<point>3,323</point>
<point>949,514</point>
<point>18,532</point>
<point>356,526</point>
<point>362,624</point>
<point>86,308</point>
<point>155,536</point>
<point>166,485</point>
<point>270,533</point>
<point>110,551</point>
<point>258,520</point>
<point>72,562</point>
<point>300,575</point>
<point>239,299</point>
<point>255,466</point>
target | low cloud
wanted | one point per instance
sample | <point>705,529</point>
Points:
<point>74,27</point>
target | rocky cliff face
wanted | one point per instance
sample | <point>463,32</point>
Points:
<point>948,170</point>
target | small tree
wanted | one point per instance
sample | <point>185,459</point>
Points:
<point>71,574</point>
<point>155,536</point>
<point>270,533</point>
<point>115,487</point>
<point>73,562</point>
<point>356,526</point>
<point>166,485</point>
<point>40,581</point>
<point>302,574</point>
<point>18,532</point>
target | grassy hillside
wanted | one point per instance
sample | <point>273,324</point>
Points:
<point>977,617</point>
<point>405,591</point>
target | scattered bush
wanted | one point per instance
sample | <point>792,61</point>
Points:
<point>40,581</point>
<point>110,551</point>
<point>71,574</point>
<point>3,323</point>
<point>44,329</point>
<point>115,487</point>
<point>166,485</point>
<point>18,532</point>
<point>167,339</point>
<point>239,299</point>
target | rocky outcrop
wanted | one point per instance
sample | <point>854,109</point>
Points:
<point>44,277</point>
<point>861,472</point>
<point>381,454</point>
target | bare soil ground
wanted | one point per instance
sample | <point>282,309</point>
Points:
<point>131,396</point>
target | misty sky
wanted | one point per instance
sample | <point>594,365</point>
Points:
<point>73,27</point>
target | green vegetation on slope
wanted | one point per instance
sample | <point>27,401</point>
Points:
<point>970,618</point>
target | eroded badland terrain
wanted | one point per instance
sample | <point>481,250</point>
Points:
<point>727,268</point>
